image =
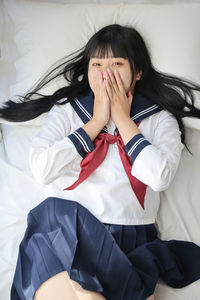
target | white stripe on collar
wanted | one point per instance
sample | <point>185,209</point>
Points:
<point>83,108</point>
<point>151,108</point>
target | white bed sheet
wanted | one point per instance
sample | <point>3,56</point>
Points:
<point>178,217</point>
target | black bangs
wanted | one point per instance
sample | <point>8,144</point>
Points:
<point>107,40</point>
<point>103,50</point>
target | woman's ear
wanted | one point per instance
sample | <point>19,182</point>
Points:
<point>139,74</point>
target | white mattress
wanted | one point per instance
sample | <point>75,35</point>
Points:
<point>179,214</point>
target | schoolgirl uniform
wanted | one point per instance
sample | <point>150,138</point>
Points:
<point>97,221</point>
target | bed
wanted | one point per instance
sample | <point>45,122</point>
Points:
<point>33,36</point>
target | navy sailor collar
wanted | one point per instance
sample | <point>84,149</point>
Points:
<point>141,108</point>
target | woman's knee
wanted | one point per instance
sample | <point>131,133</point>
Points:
<point>61,287</point>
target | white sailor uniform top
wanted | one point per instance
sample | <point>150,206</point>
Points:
<point>61,144</point>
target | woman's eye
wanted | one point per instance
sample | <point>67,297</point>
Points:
<point>115,63</point>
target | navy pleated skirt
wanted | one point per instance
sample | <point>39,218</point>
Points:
<point>122,262</point>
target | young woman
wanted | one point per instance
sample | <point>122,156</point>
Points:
<point>112,140</point>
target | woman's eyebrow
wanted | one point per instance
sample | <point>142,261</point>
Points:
<point>105,58</point>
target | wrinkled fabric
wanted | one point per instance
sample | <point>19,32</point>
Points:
<point>123,262</point>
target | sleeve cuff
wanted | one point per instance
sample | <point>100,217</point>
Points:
<point>135,146</point>
<point>81,141</point>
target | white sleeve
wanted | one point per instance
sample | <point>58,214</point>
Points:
<point>55,148</point>
<point>156,163</point>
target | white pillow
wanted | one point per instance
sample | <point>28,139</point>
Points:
<point>125,1</point>
<point>1,26</point>
<point>45,32</point>
<point>9,53</point>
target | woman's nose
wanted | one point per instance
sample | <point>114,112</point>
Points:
<point>104,71</point>
<point>104,67</point>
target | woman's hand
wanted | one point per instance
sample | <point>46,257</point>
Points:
<point>120,106</point>
<point>120,102</point>
<point>101,110</point>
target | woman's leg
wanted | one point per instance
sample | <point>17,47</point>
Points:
<point>61,287</point>
<point>150,298</point>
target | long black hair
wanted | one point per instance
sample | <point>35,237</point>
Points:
<point>168,91</point>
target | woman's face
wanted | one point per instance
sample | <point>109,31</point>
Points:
<point>119,63</point>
